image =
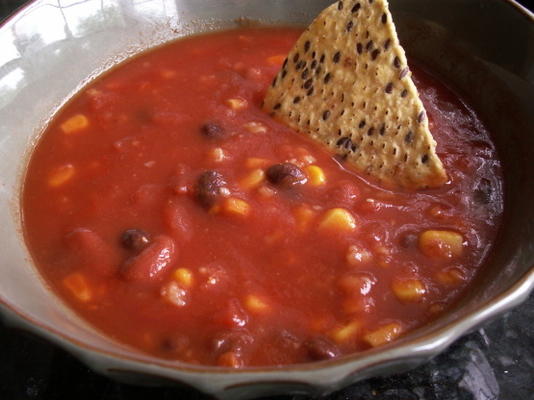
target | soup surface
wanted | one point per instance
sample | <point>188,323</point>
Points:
<point>165,207</point>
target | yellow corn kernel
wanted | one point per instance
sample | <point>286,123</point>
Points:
<point>316,176</point>
<point>304,216</point>
<point>338,219</point>
<point>235,206</point>
<point>237,103</point>
<point>383,335</point>
<point>254,162</point>
<point>451,276</point>
<point>74,124</point>
<point>229,359</point>
<point>255,127</point>
<point>253,179</point>
<point>61,175</point>
<point>184,277</point>
<point>346,332</point>
<point>441,244</point>
<point>77,285</point>
<point>276,60</point>
<point>408,290</point>
<point>358,256</point>
<point>256,305</point>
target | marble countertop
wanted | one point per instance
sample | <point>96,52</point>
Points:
<point>494,363</point>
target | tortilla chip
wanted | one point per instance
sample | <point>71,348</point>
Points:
<point>347,84</point>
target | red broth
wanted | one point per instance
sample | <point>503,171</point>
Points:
<point>152,207</point>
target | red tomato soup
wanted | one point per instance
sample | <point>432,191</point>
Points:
<point>166,208</point>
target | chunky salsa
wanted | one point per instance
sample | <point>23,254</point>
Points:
<point>170,211</point>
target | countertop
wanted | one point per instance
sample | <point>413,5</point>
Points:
<point>494,363</point>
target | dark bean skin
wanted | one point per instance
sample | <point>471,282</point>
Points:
<point>209,188</point>
<point>135,240</point>
<point>212,130</point>
<point>286,175</point>
<point>483,192</point>
<point>320,348</point>
<point>408,240</point>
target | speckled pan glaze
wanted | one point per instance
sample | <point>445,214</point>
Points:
<point>483,49</point>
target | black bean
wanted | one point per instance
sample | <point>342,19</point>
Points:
<point>396,62</point>
<point>326,115</point>
<point>327,77</point>
<point>212,130</point>
<point>371,131</point>
<point>483,191</point>
<point>296,57</point>
<point>340,6</point>
<point>369,45</point>
<point>384,18</point>
<point>404,72</point>
<point>285,175</point>
<point>362,124</point>
<point>404,93</point>
<point>359,48</point>
<point>424,159</point>
<point>383,130</point>
<point>313,64</point>
<point>409,137</point>
<point>349,26</point>
<point>277,106</point>
<point>321,60</point>
<point>356,7</point>
<point>320,348</point>
<point>389,88</point>
<point>209,188</point>
<point>308,83</point>
<point>296,100</point>
<point>336,57</point>
<point>408,240</point>
<point>309,92</point>
<point>386,44</point>
<point>307,46</point>
<point>135,240</point>
<point>304,74</point>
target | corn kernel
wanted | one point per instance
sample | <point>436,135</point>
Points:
<point>451,276</point>
<point>61,175</point>
<point>338,219</point>
<point>276,60</point>
<point>358,256</point>
<point>229,359</point>
<point>383,335</point>
<point>346,332</point>
<point>253,179</point>
<point>237,103</point>
<point>74,124</point>
<point>254,162</point>
<point>77,285</point>
<point>184,277</point>
<point>255,127</point>
<point>316,176</point>
<point>235,206</point>
<point>441,244</point>
<point>408,290</point>
<point>256,305</point>
<point>304,216</point>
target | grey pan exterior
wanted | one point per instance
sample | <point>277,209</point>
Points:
<point>482,48</point>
